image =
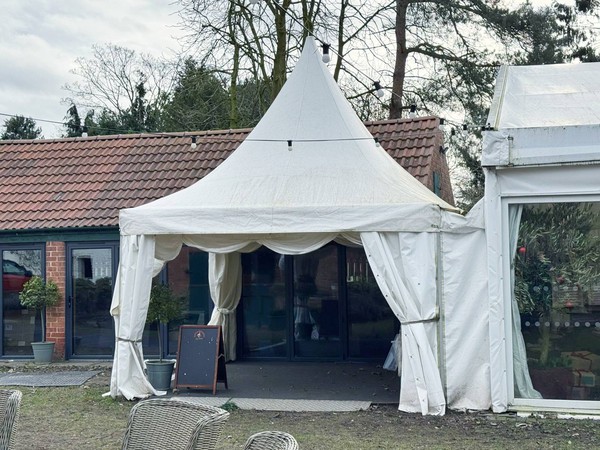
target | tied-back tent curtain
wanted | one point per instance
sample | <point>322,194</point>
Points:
<point>404,265</point>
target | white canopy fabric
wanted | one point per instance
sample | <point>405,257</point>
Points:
<point>546,96</point>
<point>309,173</point>
<point>333,179</point>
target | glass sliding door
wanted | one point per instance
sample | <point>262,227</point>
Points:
<point>187,276</point>
<point>317,311</point>
<point>20,326</point>
<point>265,321</point>
<point>91,274</point>
<point>324,305</point>
<point>371,323</point>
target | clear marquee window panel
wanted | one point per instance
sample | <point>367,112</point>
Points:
<point>557,291</point>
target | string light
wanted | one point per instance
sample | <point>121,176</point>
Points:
<point>413,111</point>
<point>194,145</point>
<point>326,58</point>
<point>84,132</point>
<point>289,145</point>
<point>378,89</point>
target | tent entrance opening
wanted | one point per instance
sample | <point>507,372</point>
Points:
<point>320,305</point>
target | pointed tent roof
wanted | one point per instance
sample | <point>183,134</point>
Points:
<point>333,178</point>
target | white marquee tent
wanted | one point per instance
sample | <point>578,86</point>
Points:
<point>544,148</point>
<point>310,173</point>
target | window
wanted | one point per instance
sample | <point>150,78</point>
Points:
<point>557,293</point>
<point>20,326</point>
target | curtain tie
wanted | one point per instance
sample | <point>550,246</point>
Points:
<point>225,311</point>
<point>128,340</point>
<point>435,318</point>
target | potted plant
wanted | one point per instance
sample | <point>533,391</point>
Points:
<point>163,308</point>
<point>37,294</point>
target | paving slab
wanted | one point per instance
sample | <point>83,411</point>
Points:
<point>279,404</point>
<point>47,379</point>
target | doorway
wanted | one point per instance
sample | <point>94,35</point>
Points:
<point>324,305</point>
<point>91,273</point>
<point>20,326</point>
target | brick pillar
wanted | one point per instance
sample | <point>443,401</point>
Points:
<point>55,316</point>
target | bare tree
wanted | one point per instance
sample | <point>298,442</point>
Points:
<point>111,77</point>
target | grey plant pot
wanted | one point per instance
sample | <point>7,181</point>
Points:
<point>42,352</point>
<point>160,373</point>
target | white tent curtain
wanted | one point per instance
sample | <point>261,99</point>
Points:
<point>497,348</point>
<point>404,265</point>
<point>129,308</point>
<point>225,280</point>
<point>523,386</point>
<point>465,320</point>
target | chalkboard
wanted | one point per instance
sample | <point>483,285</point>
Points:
<point>200,358</point>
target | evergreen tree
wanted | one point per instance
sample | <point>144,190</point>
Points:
<point>20,127</point>
<point>199,101</point>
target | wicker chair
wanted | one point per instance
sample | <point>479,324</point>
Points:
<point>10,402</point>
<point>271,440</point>
<point>173,424</point>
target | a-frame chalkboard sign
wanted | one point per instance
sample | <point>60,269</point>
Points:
<point>200,358</point>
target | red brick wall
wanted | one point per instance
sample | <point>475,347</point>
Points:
<point>55,316</point>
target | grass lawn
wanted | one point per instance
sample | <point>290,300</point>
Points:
<point>80,418</point>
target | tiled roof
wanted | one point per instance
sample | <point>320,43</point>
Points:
<point>84,182</point>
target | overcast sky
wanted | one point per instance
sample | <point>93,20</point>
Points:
<point>40,40</point>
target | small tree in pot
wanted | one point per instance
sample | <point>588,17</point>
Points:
<point>38,294</point>
<point>163,308</point>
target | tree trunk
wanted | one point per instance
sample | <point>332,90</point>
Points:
<point>233,104</point>
<point>43,323</point>
<point>401,57</point>
<point>279,66</point>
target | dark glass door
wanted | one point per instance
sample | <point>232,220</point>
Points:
<point>322,305</point>
<point>317,305</point>
<point>371,323</point>
<point>20,326</point>
<point>264,321</point>
<point>91,272</point>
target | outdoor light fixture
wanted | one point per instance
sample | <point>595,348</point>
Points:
<point>413,111</point>
<point>377,142</point>
<point>193,141</point>
<point>290,146</point>
<point>378,89</point>
<point>326,58</point>
<point>84,132</point>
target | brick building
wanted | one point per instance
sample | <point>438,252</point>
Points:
<point>59,204</point>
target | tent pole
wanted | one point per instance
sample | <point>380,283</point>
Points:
<point>441,328</point>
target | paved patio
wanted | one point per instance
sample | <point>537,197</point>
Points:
<point>299,386</point>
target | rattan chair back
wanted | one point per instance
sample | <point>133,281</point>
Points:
<point>173,424</point>
<point>10,403</point>
<point>271,440</point>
